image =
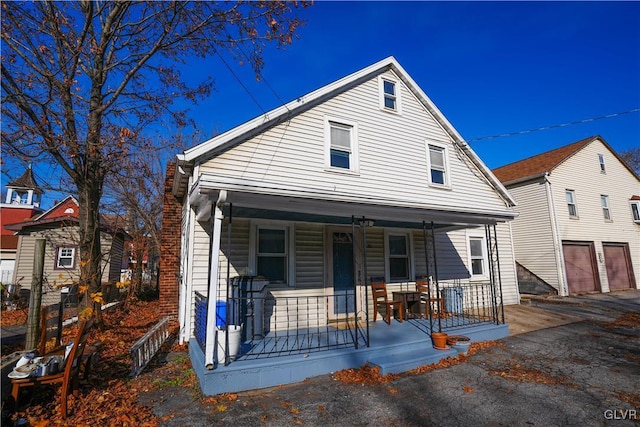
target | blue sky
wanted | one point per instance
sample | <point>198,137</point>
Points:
<point>491,68</point>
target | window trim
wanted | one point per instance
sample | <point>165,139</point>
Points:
<point>574,203</point>
<point>383,94</point>
<point>601,161</point>
<point>635,203</point>
<point>445,158</point>
<point>59,249</point>
<point>288,228</point>
<point>354,157</point>
<point>485,258</point>
<point>606,207</point>
<point>387,255</point>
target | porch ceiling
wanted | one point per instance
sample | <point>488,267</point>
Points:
<point>321,209</point>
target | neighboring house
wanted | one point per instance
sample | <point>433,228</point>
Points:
<point>22,202</point>
<point>363,177</point>
<point>59,226</point>
<point>578,228</point>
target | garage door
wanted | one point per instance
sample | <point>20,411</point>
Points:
<point>580,265</point>
<point>618,262</point>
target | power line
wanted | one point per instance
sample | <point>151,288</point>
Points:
<point>576,122</point>
<point>240,81</point>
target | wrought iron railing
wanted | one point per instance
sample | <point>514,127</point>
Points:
<point>301,324</point>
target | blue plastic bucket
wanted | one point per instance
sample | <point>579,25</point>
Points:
<point>221,314</point>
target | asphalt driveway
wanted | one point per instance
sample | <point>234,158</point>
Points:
<point>582,370</point>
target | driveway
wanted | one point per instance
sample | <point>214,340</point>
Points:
<point>581,366</point>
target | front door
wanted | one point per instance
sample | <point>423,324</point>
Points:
<point>342,277</point>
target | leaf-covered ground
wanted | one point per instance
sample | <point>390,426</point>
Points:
<point>109,395</point>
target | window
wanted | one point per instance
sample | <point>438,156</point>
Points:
<point>271,254</point>
<point>635,210</point>
<point>398,255</point>
<point>341,146</point>
<point>603,169</point>
<point>437,158</point>
<point>65,258</point>
<point>389,95</point>
<point>477,257</point>
<point>604,201</point>
<point>571,203</point>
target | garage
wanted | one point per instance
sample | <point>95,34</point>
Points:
<point>580,265</point>
<point>618,262</point>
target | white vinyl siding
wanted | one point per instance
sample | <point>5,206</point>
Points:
<point>299,147</point>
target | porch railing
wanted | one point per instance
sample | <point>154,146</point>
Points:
<point>300,324</point>
<point>287,325</point>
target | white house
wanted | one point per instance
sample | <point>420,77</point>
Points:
<point>363,177</point>
<point>578,228</point>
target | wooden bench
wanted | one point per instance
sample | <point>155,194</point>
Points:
<point>68,378</point>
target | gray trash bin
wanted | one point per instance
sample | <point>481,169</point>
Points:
<point>252,291</point>
<point>453,300</point>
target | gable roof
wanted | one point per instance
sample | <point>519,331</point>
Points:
<point>540,164</point>
<point>303,103</point>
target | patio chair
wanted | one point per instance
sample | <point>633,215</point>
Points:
<point>50,327</point>
<point>422,286</point>
<point>379,291</point>
<point>67,378</point>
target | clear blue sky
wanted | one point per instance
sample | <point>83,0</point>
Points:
<point>491,68</point>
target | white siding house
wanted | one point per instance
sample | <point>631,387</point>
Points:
<point>362,178</point>
<point>578,228</point>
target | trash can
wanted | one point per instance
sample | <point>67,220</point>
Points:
<point>221,314</point>
<point>453,300</point>
<point>252,291</point>
<point>235,341</point>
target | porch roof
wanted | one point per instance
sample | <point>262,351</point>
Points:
<point>271,201</point>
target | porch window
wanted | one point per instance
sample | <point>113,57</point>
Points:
<point>437,159</point>
<point>271,256</point>
<point>65,257</point>
<point>606,212</point>
<point>341,145</point>
<point>571,203</point>
<point>398,256</point>
<point>477,257</point>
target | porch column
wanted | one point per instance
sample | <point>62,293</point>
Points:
<point>214,270</point>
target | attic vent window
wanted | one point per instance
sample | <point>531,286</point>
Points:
<point>603,168</point>
<point>68,211</point>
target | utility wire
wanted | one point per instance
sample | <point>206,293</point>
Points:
<point>576,122</point>
<point>240,81</point>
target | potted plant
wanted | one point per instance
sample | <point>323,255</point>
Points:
<point>460,343</point>
<point>439,340</point>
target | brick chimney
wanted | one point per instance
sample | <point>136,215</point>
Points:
<point>170,248</point>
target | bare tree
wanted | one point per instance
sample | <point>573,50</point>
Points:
<point>82,79</point>
<point>632,157</point>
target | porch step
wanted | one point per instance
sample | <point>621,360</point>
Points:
<point>408,360</point>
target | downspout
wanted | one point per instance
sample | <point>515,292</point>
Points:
<point>214,270</point>
<point>557,244</point>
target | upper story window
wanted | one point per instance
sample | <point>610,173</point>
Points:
<point>603,168</point>
<point>341,147</point>
<point>571,203</point>
<point>389,95</point>
<point>606,212</point>
<point>477,257</point>
<point>398,257</point>
<point>635,210</point>
<point>438,168</point>
<point>65,257</point>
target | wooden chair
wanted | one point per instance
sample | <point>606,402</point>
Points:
<point>379,290</point>
<point>68,378</point>
<point>422,286</point>
<point>50,327</point>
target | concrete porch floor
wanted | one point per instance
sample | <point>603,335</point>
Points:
<point>394,348</point>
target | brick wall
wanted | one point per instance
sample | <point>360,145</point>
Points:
<point>170,248</point>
